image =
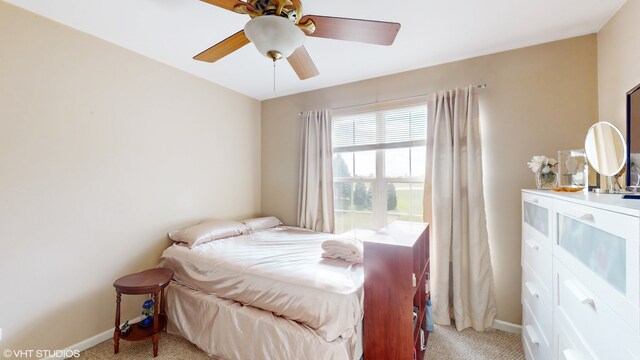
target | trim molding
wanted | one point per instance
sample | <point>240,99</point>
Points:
<point>508,327</point>
<point>92,341</point>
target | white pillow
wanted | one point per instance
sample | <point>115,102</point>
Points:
<point>262,223</point>
<point>208,230</point>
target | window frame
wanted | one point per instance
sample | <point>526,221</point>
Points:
<point>379,182</point>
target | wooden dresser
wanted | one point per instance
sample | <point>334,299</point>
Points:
<point>580,276</point>
<point>396,270</point>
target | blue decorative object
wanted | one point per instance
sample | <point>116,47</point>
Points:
<point>147,312</point>
<point>429,317</point>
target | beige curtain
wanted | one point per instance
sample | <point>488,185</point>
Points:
<point>315,196</point>
<point>461,273</point>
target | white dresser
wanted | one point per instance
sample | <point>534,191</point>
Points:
<point>580,276</point>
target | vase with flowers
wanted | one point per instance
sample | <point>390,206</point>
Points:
<point>545,170</point>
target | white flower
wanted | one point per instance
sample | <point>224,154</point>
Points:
<point>534,166</point>
<point>539,162</point>
<point>536,162</point>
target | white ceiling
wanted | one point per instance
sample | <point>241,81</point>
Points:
<point>433,32</point>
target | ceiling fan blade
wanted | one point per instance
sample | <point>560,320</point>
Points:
<point>225,4</point>
<point>302,64</point>
<point>223,48</point>
<point>366,31</point>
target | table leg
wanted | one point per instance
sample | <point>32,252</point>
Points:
<point>116,331</point>
<point>163,309</point>
<point>156,324</point>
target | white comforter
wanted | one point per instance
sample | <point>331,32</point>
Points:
<point>279,270</point>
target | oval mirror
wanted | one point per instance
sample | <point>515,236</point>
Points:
<point>605,148</point>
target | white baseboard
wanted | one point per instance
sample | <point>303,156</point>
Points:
<point>90,342</point>
<point>508,327</point>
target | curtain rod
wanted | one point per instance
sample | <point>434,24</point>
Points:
<point>479,86</point>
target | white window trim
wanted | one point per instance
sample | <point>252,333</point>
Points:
<point>379,206</point>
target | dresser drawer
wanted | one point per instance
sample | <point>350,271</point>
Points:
<point>536,347</point>
<point>538,258</point>
<point>569,345</point>
<point>536,217</point>
<point>631,350</point>
<point>593,320</point>
<point>601,249</point>
<point>537,299</point>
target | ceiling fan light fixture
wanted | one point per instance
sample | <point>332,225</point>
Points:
<point>274,35</point>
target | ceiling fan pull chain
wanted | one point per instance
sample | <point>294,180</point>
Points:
<point>274,75</point>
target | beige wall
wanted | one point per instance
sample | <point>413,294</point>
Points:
<point>618,63</point>
<point>102,151</point>
<point>539,100</point>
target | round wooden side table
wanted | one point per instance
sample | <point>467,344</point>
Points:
<point>151,281</point>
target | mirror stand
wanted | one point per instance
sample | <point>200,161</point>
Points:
<point>609,190</point>
<point>611,185</point>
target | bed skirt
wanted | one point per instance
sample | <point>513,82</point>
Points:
<point>228,330</point>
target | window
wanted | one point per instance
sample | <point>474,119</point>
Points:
<point>378,166</point>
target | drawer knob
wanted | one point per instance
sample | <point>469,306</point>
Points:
<point>533,290</point>
<point>533,336</point>
<point>532,244</point>
<point>581,216</point>
<point>570,354</point>
<point>580,293</point>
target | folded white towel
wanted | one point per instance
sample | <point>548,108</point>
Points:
<point>347,246</point>
<point>349,249</point>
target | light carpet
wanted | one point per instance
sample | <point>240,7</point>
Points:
<point>444,344</point>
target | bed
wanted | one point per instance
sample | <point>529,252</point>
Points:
<point>266,295</point>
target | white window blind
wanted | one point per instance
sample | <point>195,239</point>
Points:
<point>379,153</point>
<point>384,129</point>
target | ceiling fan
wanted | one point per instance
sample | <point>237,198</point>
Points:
<point>278,28</point>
